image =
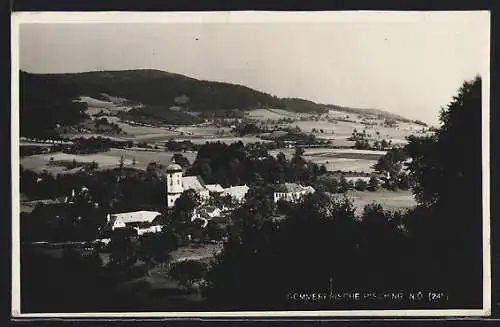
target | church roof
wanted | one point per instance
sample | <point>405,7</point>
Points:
<point>236,191</point>
<point>292,188</point>
<point>174,167</point>
<point>134,217</point>
<point>216,188</point>
<point>193,183</point>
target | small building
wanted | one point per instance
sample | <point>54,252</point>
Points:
<point>214,188</point>
<point>141,230</point>
<point>237,193</point>
<point>196,183</point>
<point>292,192</point>
<point>354,179</point>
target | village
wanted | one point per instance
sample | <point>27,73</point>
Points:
<point>227,167</point>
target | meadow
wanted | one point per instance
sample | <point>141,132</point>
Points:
<point>390,200</point>
<point>105,160</point>
<point>339,159</point>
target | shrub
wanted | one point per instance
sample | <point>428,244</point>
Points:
<point>373,184</point>
<point>188,272</point>
<point>360,185</point>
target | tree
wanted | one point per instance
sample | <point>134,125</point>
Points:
<point>360,185</point>
<point>391,165</point>
<point>122,161</point>
<point>181,160</point>
<point>373,184</point>
<point>447,184</point>
<point>344,186</point>
<point>188,272</point>
<point>152,249</point>
<point>123,251</point>
<point>183,210</point>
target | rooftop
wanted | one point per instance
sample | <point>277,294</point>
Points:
<point>174,167</point>
<point>289,188</point>
<point>216,188</point>
<point>236,191</point>
<point>193,183</point>
<point>134,216</point>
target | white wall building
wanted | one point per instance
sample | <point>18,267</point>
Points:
<point>177,183</point>
<point>237,193</point>
<point>354,179</point>
<point>150,229</point>
<point>291,192</point>
<point>135,218</point>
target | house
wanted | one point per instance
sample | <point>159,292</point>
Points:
<point>354,179</point>
<point>177,183</point>
<point>292,192</point>
<point>139,220</point>
<point>237,193</point>
<point>206,214</point>
<point>148,229</point>
<point>214,188</point>
<point>196,183</point>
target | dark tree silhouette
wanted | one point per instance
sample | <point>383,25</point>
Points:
<point>446,170</point>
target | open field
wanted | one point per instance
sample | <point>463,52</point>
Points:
<point>338,159</point>
<point>109,159</point>
<point>203,252</point>
<point>274,114</point>
<point>337,129</point>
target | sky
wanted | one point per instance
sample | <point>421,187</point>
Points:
<point>411,65</point>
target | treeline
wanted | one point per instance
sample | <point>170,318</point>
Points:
<point>155,115</point>
<point>160,89</point>
<point>108,191</point>
<point>44,106</point>
<point>237,164</point>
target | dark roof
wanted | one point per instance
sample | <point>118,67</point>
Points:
<point>289,188</point>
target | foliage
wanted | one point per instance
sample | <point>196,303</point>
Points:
<point>123,251</point>
<point>181,160</point>
<point>188,272</point>
<point>321,244</point>
<point>446,175</point>
<point>360,185</point>
<point>238,164</point>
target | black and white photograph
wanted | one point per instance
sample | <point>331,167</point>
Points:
<point>250,164</point>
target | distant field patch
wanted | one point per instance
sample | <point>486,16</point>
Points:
<point>339,159</point>
<point>105,160</point>
<point>274,114</point>
<point>390,200</point>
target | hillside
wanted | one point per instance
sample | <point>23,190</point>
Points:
<point>152,96</point>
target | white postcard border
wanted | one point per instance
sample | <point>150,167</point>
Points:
<point>241,17</point>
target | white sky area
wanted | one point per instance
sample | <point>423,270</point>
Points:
<point>411,67</point>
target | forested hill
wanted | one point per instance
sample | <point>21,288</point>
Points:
<point>47,100</point>
<point>158,88</point>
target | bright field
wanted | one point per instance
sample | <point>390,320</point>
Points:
<point>390,200</point>
<point>339,159</point>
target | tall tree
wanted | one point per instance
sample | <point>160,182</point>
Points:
<point>446,170</point>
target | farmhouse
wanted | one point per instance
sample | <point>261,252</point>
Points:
<point>291,192</point>
<point>141,221</point>
<point>237,193</point>
<point>214,188</point>
<point>354,179</point>
<point>177,183</point>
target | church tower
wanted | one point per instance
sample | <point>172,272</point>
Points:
<point>174,183</point>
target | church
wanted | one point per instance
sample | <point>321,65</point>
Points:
<point>178,183</point>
